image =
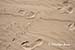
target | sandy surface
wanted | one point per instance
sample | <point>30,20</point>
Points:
<point>37,25</point>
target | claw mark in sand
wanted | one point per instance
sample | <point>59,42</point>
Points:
<point>33,45</point>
